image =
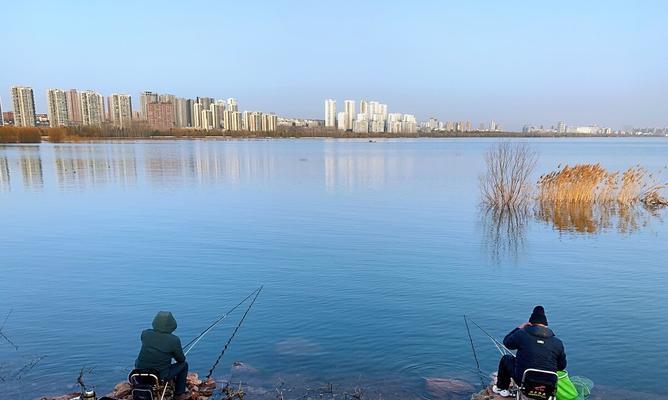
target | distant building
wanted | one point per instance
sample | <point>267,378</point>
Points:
<point>183,113</point>
<point>232,104</point>
<point>8,117</point>
<point>349,110</point>
<point>41,120</point>
<point>561,127</point>
<point>74,107</point>
<point>57,108</point>
<point>197,115</point>
<point>232,120</point>
<point>160,115</point>
<point>364,107</point>
<point>92,108</point>
<point>361,123</point>
<point>23,101</point>
<point>341,121</point>
<point>145,98</point>
<point>269,122</point>
<point>330,113</point>
<point>2,120</point>
<point>120,110</point>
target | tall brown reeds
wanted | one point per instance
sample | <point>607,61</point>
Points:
<point>505,184</point>
<point>592,184</point>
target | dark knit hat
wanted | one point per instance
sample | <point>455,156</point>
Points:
<point>538,316</point>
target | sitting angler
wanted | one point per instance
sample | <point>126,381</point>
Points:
<point>158,347</point>
<point>537,347</point>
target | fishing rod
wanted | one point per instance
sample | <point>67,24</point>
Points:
<point>190,345</point>
<point>500,346</point>
<point>197,338</point>
<point>233,333</point>
<point>475,356</point>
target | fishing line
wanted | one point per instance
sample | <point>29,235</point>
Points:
<point>233,333</point>
<point>196,340</point>
<point>500,346</point>
<point>475,356</point>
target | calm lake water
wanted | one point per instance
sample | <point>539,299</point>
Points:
<point>369,253</point>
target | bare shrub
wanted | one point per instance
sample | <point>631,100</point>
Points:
<point>506,183</point>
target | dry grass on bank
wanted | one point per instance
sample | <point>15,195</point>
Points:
<point>12,134</point>
<point>590,184</point>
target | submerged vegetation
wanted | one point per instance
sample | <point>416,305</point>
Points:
<point>505,185</point>
<point>593,184</point>
<point>584,198</point>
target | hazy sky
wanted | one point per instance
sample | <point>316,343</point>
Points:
<point>516,62</point>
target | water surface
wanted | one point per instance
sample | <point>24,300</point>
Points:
<point>370,253</point>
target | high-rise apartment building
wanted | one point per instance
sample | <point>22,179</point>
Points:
<point>23,101</point>
<point>561,127</point>
<point>341,121</point>
<point>269,122</point>
<point>330,113</point>
<point>232,121</point>
<point>349,109</point>
<point>183,113</point>
<point>2,118</point>
<point>197,115</point>
<point>120,110</point>
<point>217,114</point>
<point>74,107</point>
<point>364,107</point>
<point>57,108</point>
<point>92,108</point>
<point>145,98</point>
<point>160,115</point>
<point>232,104</point>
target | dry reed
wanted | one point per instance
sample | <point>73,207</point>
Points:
<point>591,184</point>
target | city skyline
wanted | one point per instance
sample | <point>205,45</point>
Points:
<point>462,61</point>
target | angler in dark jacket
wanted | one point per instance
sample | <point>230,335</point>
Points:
<point>159,346</point>
<point>537,347</point>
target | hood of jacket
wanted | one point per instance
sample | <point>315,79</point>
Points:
<point>164,322</point>
<point>539,331</point>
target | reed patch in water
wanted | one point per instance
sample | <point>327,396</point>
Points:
<point>590,184</point>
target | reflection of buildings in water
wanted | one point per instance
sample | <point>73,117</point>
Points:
<point>364,170</point>
<point>31,169</point>
<point>5,183</point>
<point>204,162</point>
<point>80,166</point>
<point>594,218</point>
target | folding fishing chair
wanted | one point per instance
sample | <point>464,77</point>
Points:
<point>538,384</point>
<point>146,384</point>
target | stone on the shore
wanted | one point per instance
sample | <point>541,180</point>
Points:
<point>449,389</point>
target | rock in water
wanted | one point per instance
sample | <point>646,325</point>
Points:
<point>449,389</point>
<point>242,368</point>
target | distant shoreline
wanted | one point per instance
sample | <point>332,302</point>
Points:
<point>83,134</point>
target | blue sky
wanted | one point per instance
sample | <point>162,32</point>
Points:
<point>516,62</point>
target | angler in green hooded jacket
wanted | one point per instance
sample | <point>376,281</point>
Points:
<point>159,346</point>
